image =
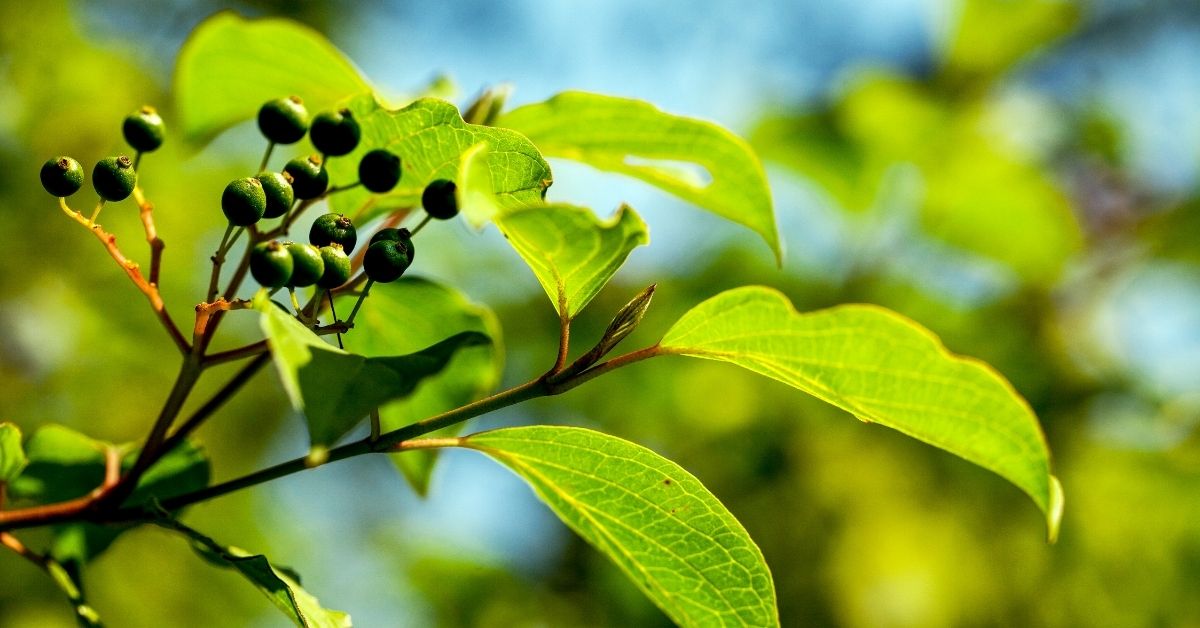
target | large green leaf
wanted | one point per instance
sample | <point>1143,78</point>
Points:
<point>409,315</point>
<point>882,368</point>
<point>12,455</point>
<point>65,464</point>
<point>430,137</point>
<point>335,389</point>
<point>230,66</point>
<point>635,138</point>
<point>571,251</point>
<point>279,584</point>
<point>655,520</point>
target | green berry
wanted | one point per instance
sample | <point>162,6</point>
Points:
<point>332,228</point>
<point>143,129</point>
<point>271,264</point>
<point>379,170</point>
<point>283,120</point>
<point>309,177</point>
<point>438,199</point>
<point>335,133</point>
<point>337,267</point>
<point>307,264</point>
<point>114,178</point>
<point>386,261</point>
<point>403,236</point>
<point>62,176</point>
<point>278,189</point>
<point>244,201</point>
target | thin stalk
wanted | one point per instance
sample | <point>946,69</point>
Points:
<point>421,225</point>
<point>266,157</point>
<point>361,297</point>
<point>96,212</point>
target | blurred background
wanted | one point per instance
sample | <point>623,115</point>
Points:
<point>1018,175</point>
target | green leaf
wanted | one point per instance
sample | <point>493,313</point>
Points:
<point>477,202</point>
<point>279,584</point>
<point>12,455</point>
<point>992,35</point>
<point>571,251</point>
<point>882,368</point>
<point>413,313</point>
<point>635,138</point>
<point>656,521</point>
<point>430,137</point>
<point>335,389</point>
<point>229,66</point>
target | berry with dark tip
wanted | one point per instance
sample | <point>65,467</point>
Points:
<point>244,201</point>
<point>271,264</point>
<point>335,133</point>
<point>337,267</point>
<point>309,178</point>
<point>307,264</point>
<point>143,129</point>
<point>62,176</point>
<point>332,228</point>
<point>278,190</point>
<point>403,236</point>
<point>438,199</point>
<point>283,120</point>
<point>114,178</point>
<point>379,170</point>
<point>386,261</point>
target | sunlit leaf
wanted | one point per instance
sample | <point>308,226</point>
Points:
<point>430,137</point>
<point>571,251</point>
<point>882,368</point>
<point>698,161</point>
<point>12,455</point>
<point>408,315</point>
<point>280,585</point>
<point>231,65</point>
<point>477,202</point>
<point>656,521</point>
<point>334,389</point>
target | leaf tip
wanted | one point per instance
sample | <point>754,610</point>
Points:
<point>1054,510</point>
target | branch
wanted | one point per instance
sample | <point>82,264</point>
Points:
<point>135,275</point>
<point>146,211</point>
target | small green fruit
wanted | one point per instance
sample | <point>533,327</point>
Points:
<point>332,228</point>
<point>271,264</point>
<point>438,199</point>
<point>337,267</point>
<point>379,170</point>
<point>62,176</point>
<point>386,261</point>
<point>403,236</point>
<point>307,264</point>
<point>114,178</point>
<point>279,192</point>
<point>283,120</point>
<point>309,177</point>
<point>143,129</point>
<point>244,201</point>
<point>335,133</point>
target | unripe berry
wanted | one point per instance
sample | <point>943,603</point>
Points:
<point>244,201</point>
<point>385,261</point>
<point>114,178</point>
<point>337,267</point>
<point>283,120</point>
<point>403,236</point>
<point>309,178</point>
<point>271,264</point>
<point>332,228</point>
<point>379,170</point>
<point>335,133</point>
<point>143,129</point>
<point>278,190</point>
<point>307,264</point>
<point>438,199</point>
<point>62,176</point>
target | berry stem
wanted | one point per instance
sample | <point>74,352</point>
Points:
<point>218,259</point>
<point>295,302</point>
<point>146,212</point>
<point>342,188</point>
<point>357,304</point>
<point>96,213</point>
<point>421,225</point>
<point>266,157</point>
<point>137,159</point>
<point>333,312</point>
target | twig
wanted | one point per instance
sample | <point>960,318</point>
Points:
<point>146,211</point>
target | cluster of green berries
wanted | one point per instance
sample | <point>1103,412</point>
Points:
<point>113,177</point>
